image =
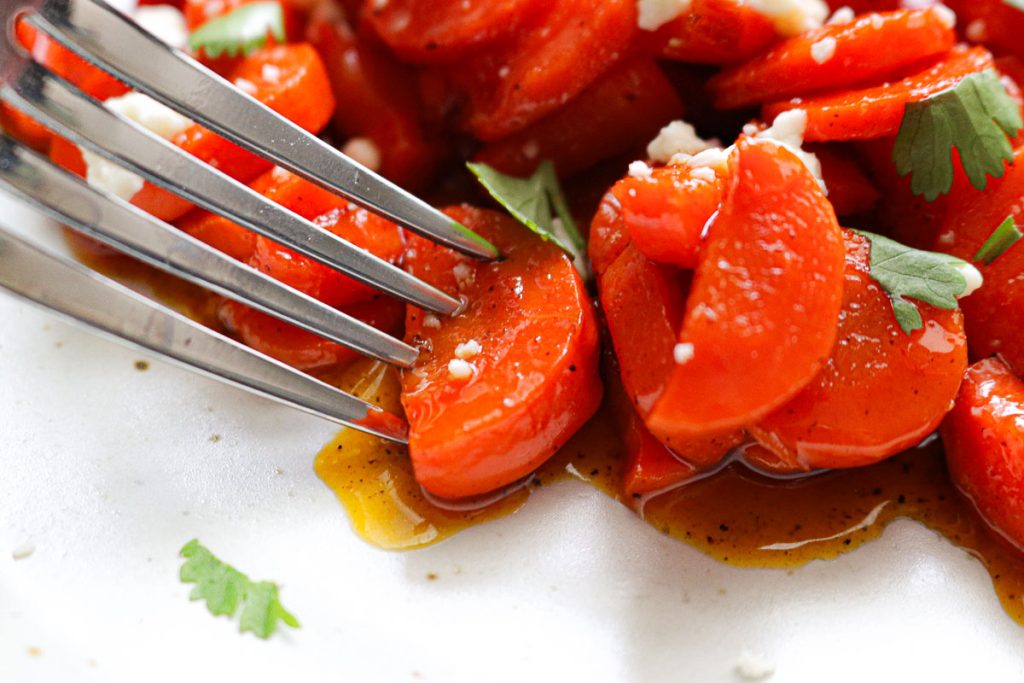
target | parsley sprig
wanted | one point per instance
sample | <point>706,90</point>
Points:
<point>240,31</point>
<point>225,589</point>
<point>538,203</point>
<point>906,273</point>
<point>999,242</point>
<point>977,117</point>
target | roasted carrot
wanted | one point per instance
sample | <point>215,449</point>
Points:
<point>715,32</point>
<point>530,378</point>
<point>849,189</point>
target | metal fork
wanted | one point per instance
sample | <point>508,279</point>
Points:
<point>108,39</point>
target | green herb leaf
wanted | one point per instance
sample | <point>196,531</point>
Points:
<point>906,273</point>
<point>240,31</point>
<point>977,116</point>
<point>224,589</point>
<point>1001,239</point>
<point>538,203</point>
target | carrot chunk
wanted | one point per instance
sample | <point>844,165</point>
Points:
<point>715,32</point>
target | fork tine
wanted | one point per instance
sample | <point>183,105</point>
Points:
<point>79,117</point>
<point>82,295</point>
<point>70,200</point>
<point>181,83</point>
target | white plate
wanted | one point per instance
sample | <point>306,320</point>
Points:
<point>108,471</point>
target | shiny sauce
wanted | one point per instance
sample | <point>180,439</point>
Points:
<point>735,515</point>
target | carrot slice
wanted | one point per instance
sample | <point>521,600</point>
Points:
<point>624,108</point>
<point>871,48</point>
<point>66,64</point>
<point>761,316</point>
<point>849,189</point>
<point>715,32</point>
<point>994,313</point>
<point>877,111</point>
<point>881,391</point>
<point>984,443</point>
<point>666,213</point>
<point>534,378</point>
<point>608,235</point>
<point>446,30</point>
<point>379,100</point>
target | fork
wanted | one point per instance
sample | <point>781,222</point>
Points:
<point>106,38</point>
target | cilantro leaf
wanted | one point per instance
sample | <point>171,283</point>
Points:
<point>240,31</point>
<point>977,117</point>
<point>225,589</point>
<point>906,273</point>
<point>538,203</point>
<point>997,244</point>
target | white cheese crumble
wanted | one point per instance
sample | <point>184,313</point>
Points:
<point>148,113</point>
<point>946,15</point>
<point>431,322</point>
<point>364,151</point>
<point>459,369</point>
<point>843,15</point>
<point>682,353</point>
<point>823,50</point>
<point>976,31</point>
<point>973,277</point>
<point>23,551</point>
<point>678,137</point>
<point>752,667</point>
<point>792,17</point>
<point>464,275</point>
<point>653,14</point>
<point>165,22</point>
<point>639,169</point>
<point>468,350</point>
<point>788,131</point>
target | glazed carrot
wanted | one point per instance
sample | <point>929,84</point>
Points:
<point>608,234</point>
<point>301,349</point>
<point>984,443</point>
<point>650,466</point>
<point>994,313</point>
<point>715,32</point>
<point>882,391</point>
<point>378,98</point>
<point>24,128</point>
<point>877,111</point>
<point>871,48</point>
<point>849,189</point>
<point>623,109</point>
<point>762,312</point>
<point>996,23</point>
<point>532,382</point>
<point>666,214</point>
<point>446,30</point>
<point>563,50</point>
<point>67,64</point>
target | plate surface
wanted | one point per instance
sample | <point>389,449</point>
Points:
<point>107,471</point>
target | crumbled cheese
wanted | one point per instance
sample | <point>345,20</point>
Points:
<point>715,159</point>
<point>639,169</point>
<point>459,369</point>
<point>792,17</point>
<point>653,14</point>
<point>507,402</point>
<point>946,15</point>
<point>431,321</point>
<point>678,137</point>
<point>682,353</point>
<point>23,551</point>
<point>788,131</point>
<point>703,173</point>
<point>468,350</point>
<point>843,15</point>
<point>973,277</point>
<point>165,22</point>
<point>464,275</point>
<point>823,50</point>
<point>364,151</point>
<point>752,667</point>
<point>977,31</point>
<point>148,113</point>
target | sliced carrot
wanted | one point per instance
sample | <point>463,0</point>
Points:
<point>301,349</point>
<point>871,48</point>
<point>715,32</point>
<point>220,233</point>
<point>761,316</point>
<point>66,64</point>
<point>623,109</point>
<point>882,391</point>
<point>554,58</point>
<point>667,213</point>
<point>608,234</point>
<point>534,380</point>
<point>445,31</point>
<point>849,189</point>
<point>378,99</point>
<point>984,442</point>
<point>24,128</point>
<point>877,111</point>
<point>994,313</point>
<point>995,23</point>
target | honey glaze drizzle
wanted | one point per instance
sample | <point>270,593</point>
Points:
<point>735,515</point>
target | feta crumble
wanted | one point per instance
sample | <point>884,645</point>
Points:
<point>946,15</point>
<point>792,17</point>
<point>364,151</point>
<point>653,14</point>
<point>823,50</point>
<point>788,131</point>
<point>682,353</point>
<point>459,369</point>
<point>431,322</point>
<point>469,349</point>
<point>843,15</point>
<point>464,275</point>
<point>110,177</point>
<point>678,137</point>
<point>23,551</point>
<point>752,667</point>
<point>977,31</point>
<point>165,22</point>
<point>639,169</point>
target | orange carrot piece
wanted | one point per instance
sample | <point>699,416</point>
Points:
<point>715,32</point>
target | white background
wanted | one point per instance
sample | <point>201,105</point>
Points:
<point>108,471</point>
